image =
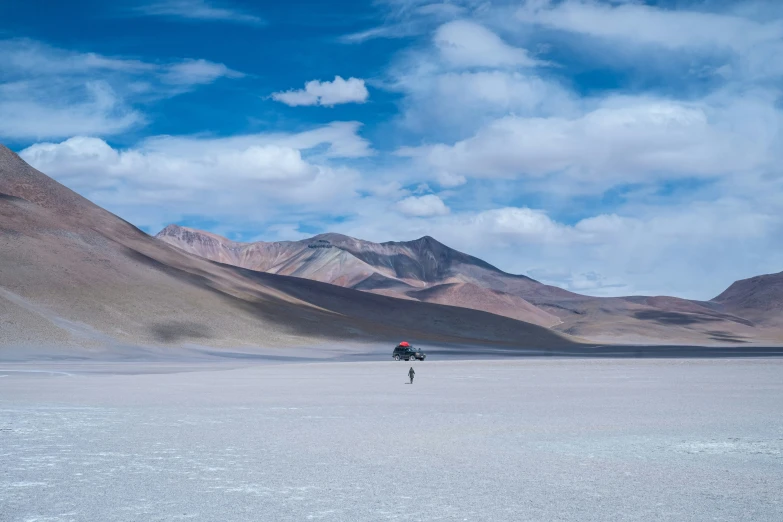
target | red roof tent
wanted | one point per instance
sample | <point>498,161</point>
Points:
<point>404,343</point>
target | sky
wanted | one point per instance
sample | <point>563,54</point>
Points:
<point>615,147</point>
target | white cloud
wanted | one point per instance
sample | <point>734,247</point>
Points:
<point>197,72</point>
<point>38,110</point>
<point>391,31</point>
<point>338,139</point>
<point>464,43</point>
<point>22,57</point>
<point>639,23</point>
<point>198,10</point>
<point>699,145</point>
<point>689,250</point>
<point>325,93</point>
<point>413,17</point>
<point>341,137</point>
<point>422,206</point>
<point>469,76</point>
<point>482,96</point>
<point>623,140</point>
<point>47,92</point>
<point>449,179</point>
<point>473,107</point>
<point>243,180</point>
<point>750,47</point>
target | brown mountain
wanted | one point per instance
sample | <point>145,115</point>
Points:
<point>428,271</point>
<point>423,270</point>
<point>74,275</point>
<point>79,278</point>
<point>758,298</point>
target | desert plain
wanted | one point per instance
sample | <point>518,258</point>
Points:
<point>347,437</point>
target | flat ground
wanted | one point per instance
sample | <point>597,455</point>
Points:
<point>496,440</point>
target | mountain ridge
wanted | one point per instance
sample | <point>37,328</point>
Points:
<point>74,274</point>
<point>82,281</point>
<point>393,268</point>
<point>427,270</point>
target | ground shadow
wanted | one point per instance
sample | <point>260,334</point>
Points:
<point>173,331</point>
<point>675,318</point>
<point>610,351</point>
<point>725,337</point>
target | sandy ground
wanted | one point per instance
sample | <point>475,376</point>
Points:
<point>495,440</point>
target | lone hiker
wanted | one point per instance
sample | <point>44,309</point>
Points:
<point>411,373</point>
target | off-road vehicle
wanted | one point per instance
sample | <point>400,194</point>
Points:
<point>407,352</point>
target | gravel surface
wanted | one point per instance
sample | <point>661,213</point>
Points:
<point>599,439</point>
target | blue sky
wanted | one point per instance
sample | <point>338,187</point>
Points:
<point>609,147</point>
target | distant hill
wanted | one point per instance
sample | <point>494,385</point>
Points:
<point>758,298</point>
<point>75,276</point>
<point>423,270</point>
<point>429,271</point>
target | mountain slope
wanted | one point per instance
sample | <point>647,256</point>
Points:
<point>481,298</point>
<point>428,271</point>
<point>759,298</point>
<point>76,276</point>
<point>394,268</point>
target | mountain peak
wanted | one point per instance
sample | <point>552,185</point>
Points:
<point>192,235</point>
<point>420,261</point>
<point>333,237</point>
<point>429,241</point>
<point>18,178</point>
<point>170,230</point>
<point>6,152</point>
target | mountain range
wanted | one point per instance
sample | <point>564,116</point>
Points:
<point>78,279</point>
<point>425,270</point>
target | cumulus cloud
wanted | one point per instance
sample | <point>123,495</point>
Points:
<point>467,44</point>
<point>621,141</point>
<point>335,140</point>
<point>642,189</point>
<point>469,67</point>
<point>482,97</point>
<point>449,179</point>
<point>198,10</point>
<point>325,93</point>
<point>243,179</point>
<point>78,158</point>
<point>749,46</point>
<point>422,206</point>
<point>687,250</point>
<point>47,92</point>
<point>681,176</point>
<point>645,24</point>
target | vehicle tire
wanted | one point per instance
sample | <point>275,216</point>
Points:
<point>396,357</point>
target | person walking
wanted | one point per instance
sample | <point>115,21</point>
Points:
<point>411,373</point>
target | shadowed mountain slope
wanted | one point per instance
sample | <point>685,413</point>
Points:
<point>73,274</point>
<point>758,298</point>
<point>428,271</point>
<point>396,269</point>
